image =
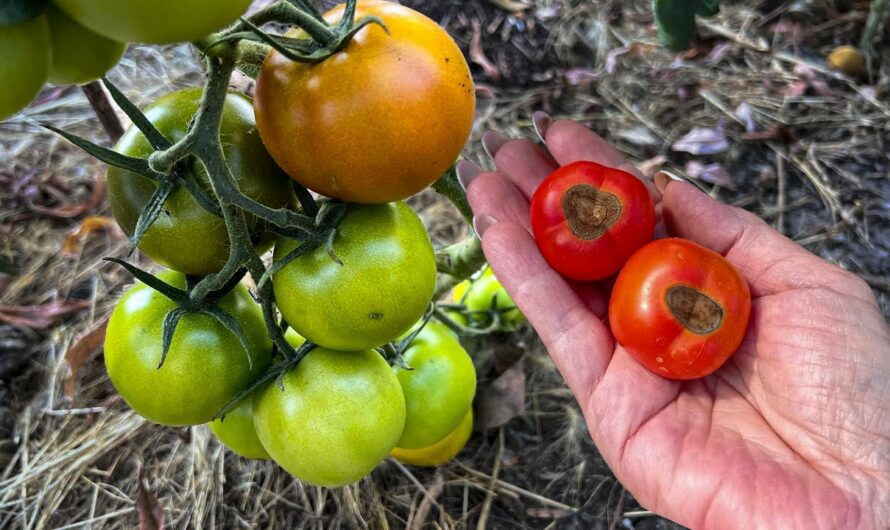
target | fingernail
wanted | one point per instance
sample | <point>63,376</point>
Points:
<point>467,171</point>
<point>541,121</point>
<point>483,222</point>
<point>492,141</point>
<point>663,178</point>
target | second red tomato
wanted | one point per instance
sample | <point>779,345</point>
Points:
<point>588,219</point>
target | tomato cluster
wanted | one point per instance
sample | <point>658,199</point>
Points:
<point>338,407</point>
<point>678,308</point>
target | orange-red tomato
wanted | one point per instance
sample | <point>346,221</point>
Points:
<point>378,121</point>
<point>679,309</point>
<point>588,219</point>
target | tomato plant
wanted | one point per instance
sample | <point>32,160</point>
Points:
<point>679,309</point>
<point>439,384</point>
<point>205,367</point>
<point>484,294</point>
<point>154,21</point>
<point>339,415</point>
<point>382,288</point>
<point>379,121</point>
<point>441,451</point>
<point>26,49</point>
<point>186,237</point>
<point>588,219</point>
<point>79,55</point>
<point>236,431</point>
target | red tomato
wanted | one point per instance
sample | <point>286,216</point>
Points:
<point>588,219</point>
<point>679,309</point>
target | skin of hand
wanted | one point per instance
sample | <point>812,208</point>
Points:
<point>792,432</point>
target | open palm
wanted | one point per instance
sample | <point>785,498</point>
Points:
<point>793,432</point>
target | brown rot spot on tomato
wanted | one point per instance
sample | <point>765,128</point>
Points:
<point>698,312</point>
<point>376,316</point>
<point>590,211</point>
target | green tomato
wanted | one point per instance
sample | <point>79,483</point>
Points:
<point>154,21</point>
<point>486,293</point>
<point>236,431</point>
<point>206,366</point>
<point>383,287</point>
<point>439,387</point>
<point>26,51</point>
<point>339,415</point>
<point>186,237</point>
<point>79,55</point>
<point>441,451</point>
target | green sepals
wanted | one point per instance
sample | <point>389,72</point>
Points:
<point>155,138</point>
<point>168,328</point>
<point>172,293</point>
<point>676,20</point>
<point>110,157</point>
<point>284,262</point>
<point>201,197</point>
<point>152,210</point>
<point>404,343</point>
<point>310,207</point>
<point>14,12</point>
<point>308,7</point>
<point>229,322</point>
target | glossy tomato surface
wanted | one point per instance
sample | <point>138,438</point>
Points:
<point>679,309</point>
<point>587,219</point>
<point>439,386</point>
<point>236,431</point>
<point>441,451</point>
<point>186,237</point>
<point>205,367</point>
<point>154,21</point>
<point>339,415</point>
<point>26,51</point>
<point>382,288</point>
<point>79,55</point>
<point>377,122</point>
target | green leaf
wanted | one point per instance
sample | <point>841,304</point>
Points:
<point>676,20</point>
<point>151,212</point>
<point>110,157</point>
<point>155,138</point>
<point>14,12</point>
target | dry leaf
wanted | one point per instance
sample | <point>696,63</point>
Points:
<point>634,49</point>
<point>82,350</point>
<point>511,6</point>
<point>745,113</point>
<point>711,173</point>
<point>67,211</point>
<point>702,141</point>
<point>501,400</point>
<point>778,133</point>
<point>477,55</point>
<point>41,316</point>
<point>148,508</point>
<point>94,223</point>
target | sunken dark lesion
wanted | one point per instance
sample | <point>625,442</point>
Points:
<point>375,316</point>
<point>589,211</point>
<point>696,311</point>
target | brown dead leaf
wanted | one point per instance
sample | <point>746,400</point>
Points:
<point>82,350</point>
<point>94,223</point>
<point>148,508</point>
<point>501,400</point>
<point>779,133</point>
<point>41,316</point>
<point>68,211</point>
<point>477,55</point>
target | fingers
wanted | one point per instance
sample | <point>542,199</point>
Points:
<point>576,338</point>
<point>524,163</point>
<point>495,195</point>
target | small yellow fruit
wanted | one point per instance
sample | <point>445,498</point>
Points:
<point>441,451</point>
<point>848,60</point>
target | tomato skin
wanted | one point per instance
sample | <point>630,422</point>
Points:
<point>441,451</point>
<point>339,415</point>
<point>483,294</point>
<point>26,50</point>
<point>600,251</point>
<point>205,366</point>
<point>79,55</point>
<point>644,324</point>
<point>186,237</point>
<point>377,122</point>
<point>439,387</point>
<point>236,431</point>
<point>154,21</point>
<point>383,287</point>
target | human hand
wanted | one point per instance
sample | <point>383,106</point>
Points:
<point>792,432</point>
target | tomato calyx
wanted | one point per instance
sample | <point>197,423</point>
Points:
<point>696,311</point>
<point>589,211</point>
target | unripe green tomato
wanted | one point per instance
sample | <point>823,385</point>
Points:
<point>79,55</point>
<point>382,288</point>
<point>205,368</point>
<point>485,293</point>
<point>186,237</point>
<point>439,387</point>
<point>441,451</point>
<point>25,58</point>
<point>236,431</point>
<point>339,415</point>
